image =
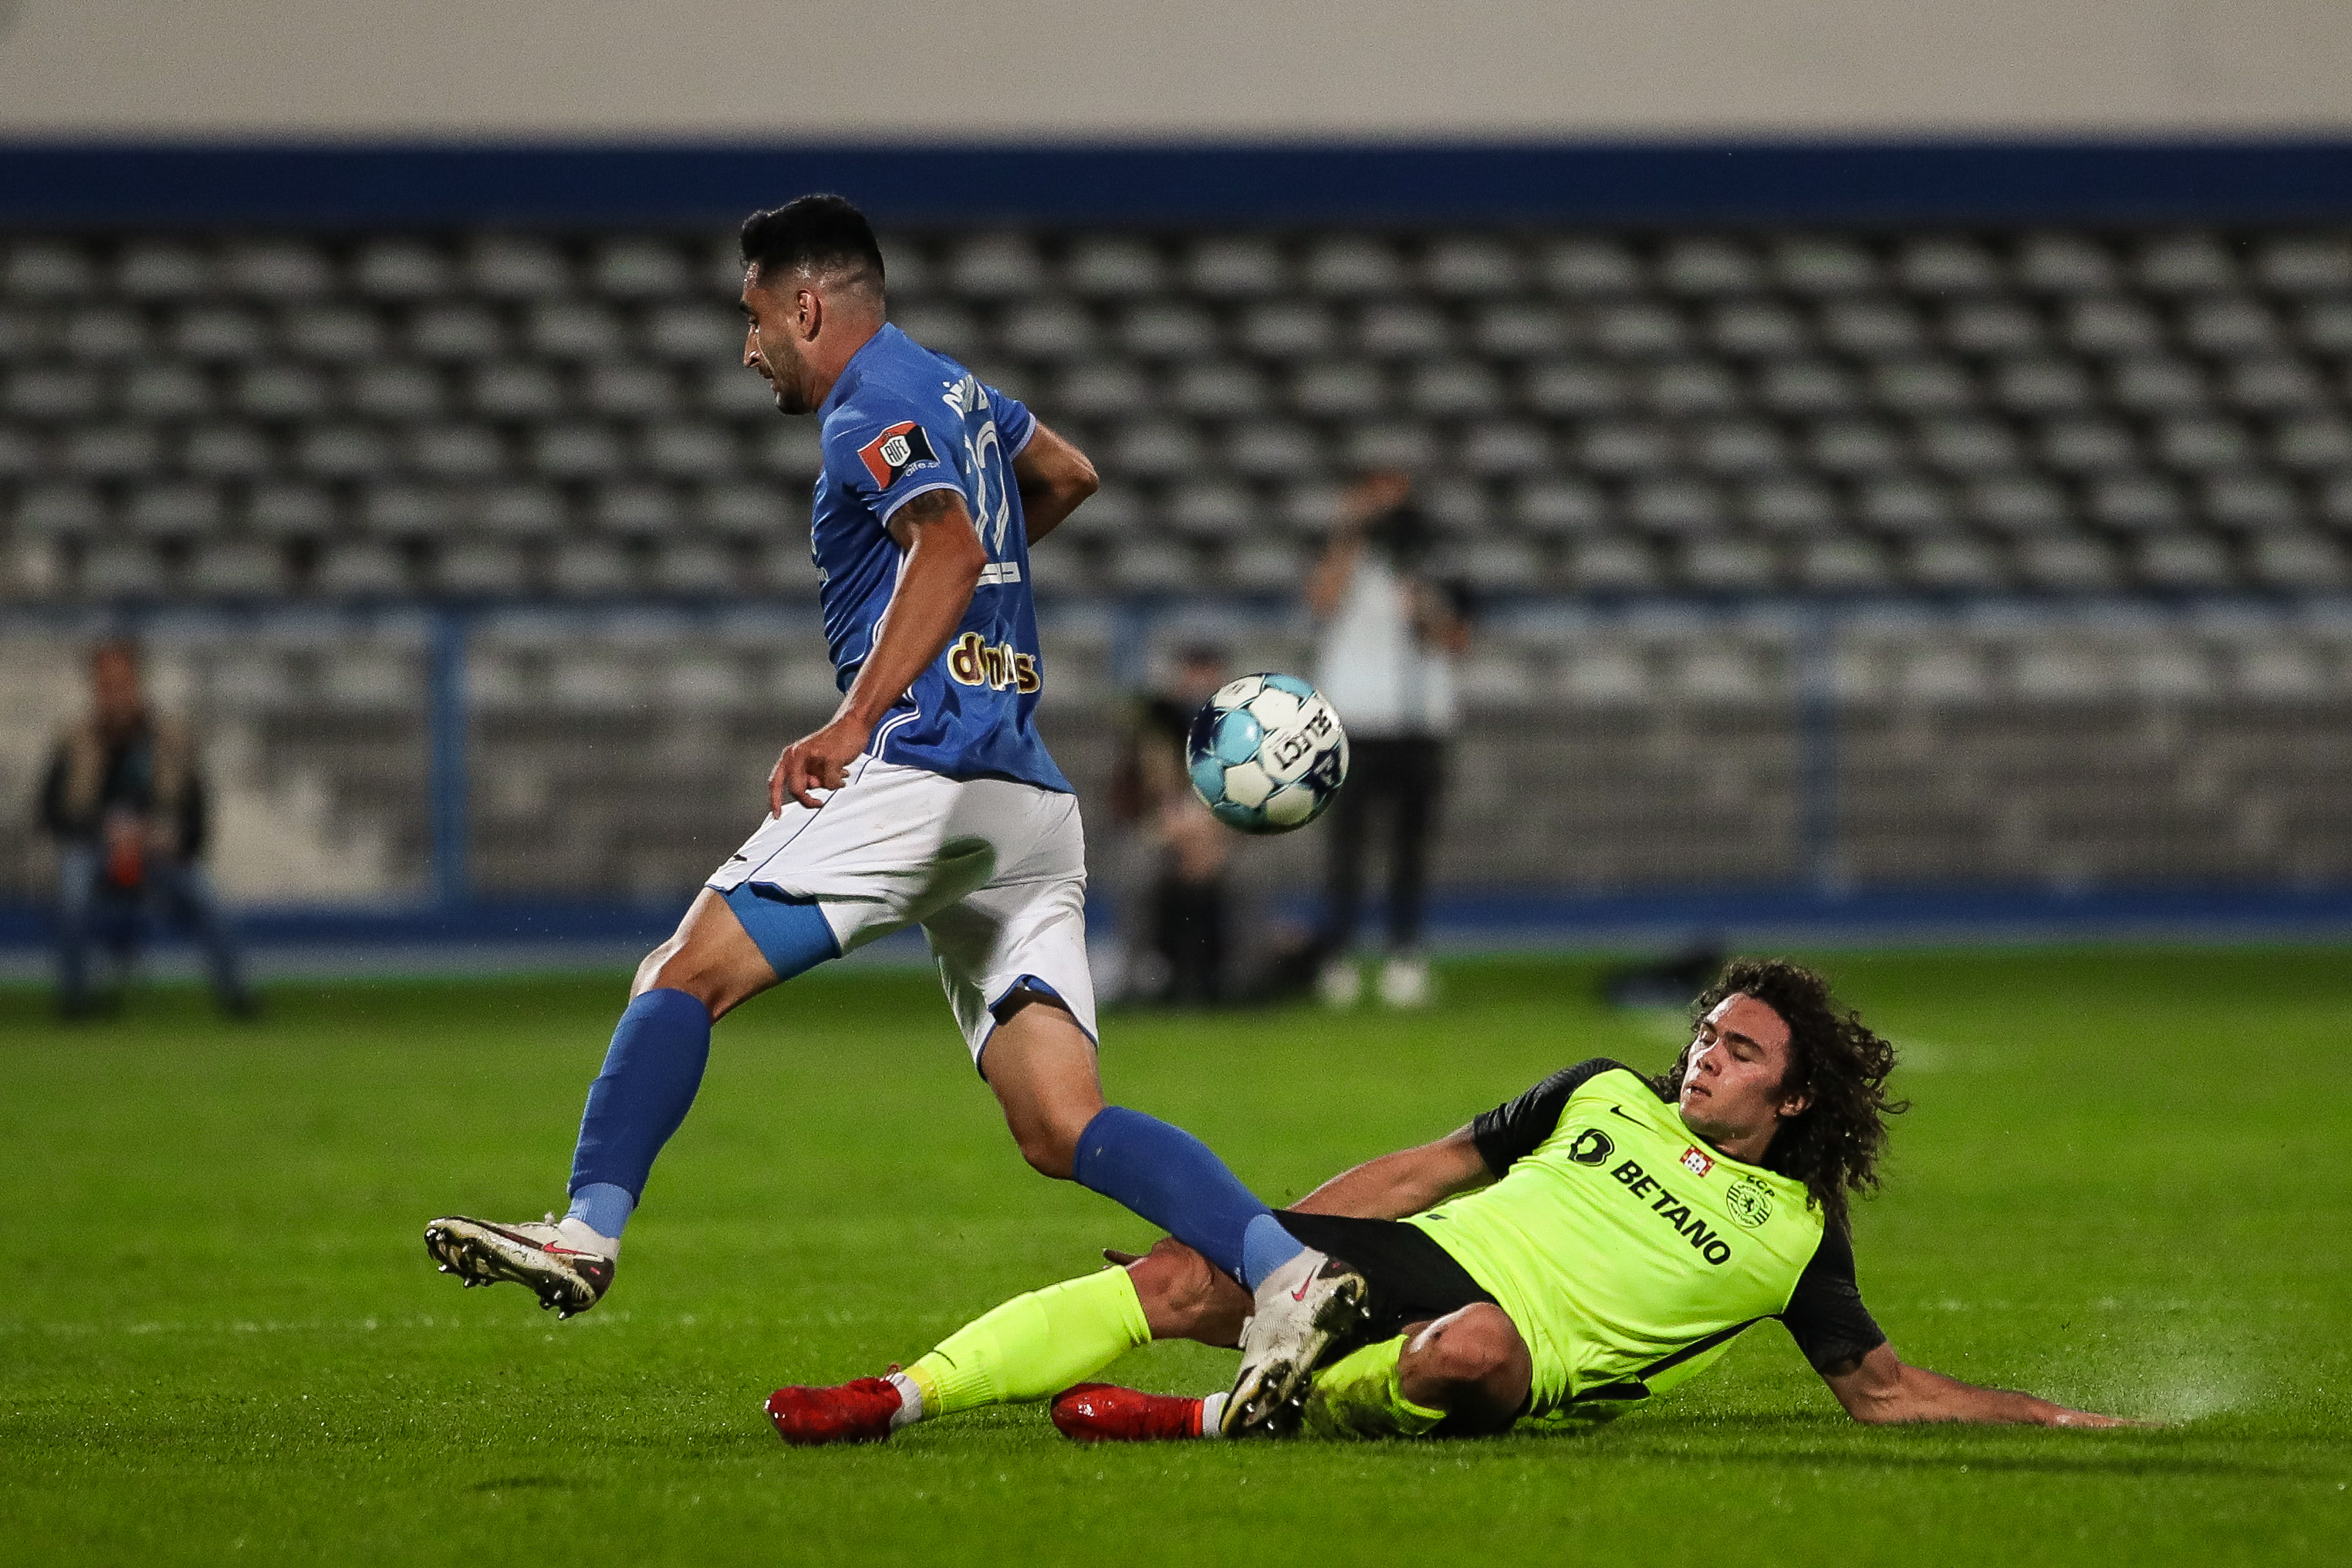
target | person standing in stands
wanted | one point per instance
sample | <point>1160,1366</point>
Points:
<point>125,803</point>
<point>1387,639</point>
<point>1182,956</point>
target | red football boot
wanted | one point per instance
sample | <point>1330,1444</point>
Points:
<point>1105,1413</point>
<point>855,1412</point>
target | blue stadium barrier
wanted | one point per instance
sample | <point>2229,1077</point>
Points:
<point>1178,185</point>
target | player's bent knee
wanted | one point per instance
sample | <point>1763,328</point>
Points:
<point>1186,1297</point>
<point>1481,1339</point>
<point>710,957</point>
<point>1472,1364</point>
<point>1051,1150</point>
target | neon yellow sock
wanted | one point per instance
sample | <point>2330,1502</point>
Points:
<point>1361,1396</point>
<point>1034,1345</point>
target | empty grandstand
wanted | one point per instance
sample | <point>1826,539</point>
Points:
<point>2008,555</point>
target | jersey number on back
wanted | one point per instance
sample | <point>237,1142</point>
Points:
<point>991,480</point>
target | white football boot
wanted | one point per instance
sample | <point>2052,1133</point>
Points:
<point>1303,1308</point>
<point>566,1264</point>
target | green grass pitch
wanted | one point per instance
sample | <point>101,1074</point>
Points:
<point>2125,1184</point>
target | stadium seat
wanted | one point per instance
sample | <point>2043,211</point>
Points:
<point>164,271</point>
<point>241,568</point>
<point>1860,412</point>
<point>1052,330</point>
<point>2067,564</point>
<point>995,267</point>
<point>1218,391</point>
<point>1236,268</point>
<point>229,451</point>
<point>1353,267</point>
<point>401,269</point>
<point>2297,562</point>
<point>1473,266</point>
<point>1945,564</point>
<point>1211,510</point>
<point>455,333</point>
<point>1519,330</point>
<point>1265,566</point>
<point>109,336</point>
<point>629,390</point>
<point>399,391</point>
<point>480,566</point>
<point>111,451</point>
<point>1403,332</point>
<point>363,568</point>
<point>1590,268</point>
<point>515,267</point>
<point>120,569</point>
<point>1266,451</point>
<point>1114,267</point>
<point>186,511</point>
<point>2181,560</point>
<point>168,392</point>
<point>638,267</point>
<point>520,513</point>
<point>1995,327</point>
<point>59,511</point>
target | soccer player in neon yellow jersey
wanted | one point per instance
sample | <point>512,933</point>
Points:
<point>1567,1255</point>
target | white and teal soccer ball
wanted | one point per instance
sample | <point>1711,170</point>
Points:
<point>1267,754</point>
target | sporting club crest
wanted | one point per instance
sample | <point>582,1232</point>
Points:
<point>1749,1201</point>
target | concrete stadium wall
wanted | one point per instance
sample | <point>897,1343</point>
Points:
<point>1217,69</point>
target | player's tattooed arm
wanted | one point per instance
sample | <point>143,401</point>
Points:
<point>1053,477</point>
<point>1879,1388</point>
<point>944,557</point>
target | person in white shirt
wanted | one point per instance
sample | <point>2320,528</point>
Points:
<point>1388,640</point>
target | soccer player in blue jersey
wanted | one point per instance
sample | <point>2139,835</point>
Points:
<point>927,799</point>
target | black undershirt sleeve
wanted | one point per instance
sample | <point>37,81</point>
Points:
<point>1825,1315</point>
<point>1515,1128</point>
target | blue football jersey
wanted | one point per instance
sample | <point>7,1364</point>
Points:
<point>900,421</point>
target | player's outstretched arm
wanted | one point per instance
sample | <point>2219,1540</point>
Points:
<point>1404,1183</point>
<point>944,557</point>
<point>1053,477</point>
<point>1879,1389</point>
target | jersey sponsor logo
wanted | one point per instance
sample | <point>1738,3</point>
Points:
<point>1749,1201</point>
<point>1691,1228</point>
<point>1696,1160</point>
<point>896,452</point>
<point>971,661</point>
<point>1592,1147</point>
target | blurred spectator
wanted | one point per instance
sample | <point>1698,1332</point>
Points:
<point>1180,955</point>
<point>1385,660</point>
<point>126,804</point>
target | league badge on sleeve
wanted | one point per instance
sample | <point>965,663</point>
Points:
<point>895,453</point>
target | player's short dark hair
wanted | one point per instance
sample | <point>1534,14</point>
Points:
<point>814,235</point>
<point>1834,1061</point>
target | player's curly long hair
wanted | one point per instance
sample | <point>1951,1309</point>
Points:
<point>1835,1061</point>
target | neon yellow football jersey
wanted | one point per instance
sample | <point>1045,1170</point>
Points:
<point>1627,1251</point>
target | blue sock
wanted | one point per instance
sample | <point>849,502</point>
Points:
<point>1170,1178</point>
<point>602,1207</point>
<point>650,1075</point>
<point>1266,1246</point>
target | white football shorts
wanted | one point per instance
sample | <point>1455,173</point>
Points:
<point>994,871</point>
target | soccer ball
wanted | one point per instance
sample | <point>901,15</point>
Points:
<point>1267,754</point>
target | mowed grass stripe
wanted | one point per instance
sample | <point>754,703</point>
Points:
<point>2121,1185</point>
